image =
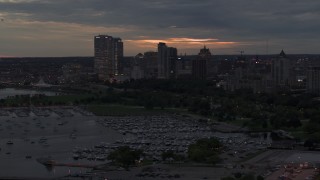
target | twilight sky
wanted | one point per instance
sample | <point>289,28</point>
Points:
<point>67,27</point>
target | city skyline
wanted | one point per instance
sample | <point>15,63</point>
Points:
<point>66,28</point>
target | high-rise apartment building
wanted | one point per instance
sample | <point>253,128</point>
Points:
<point>199,65</point>
<point>281,69</point>
<point>118,55</point>
<point>108,53</point>
<point>150,65</point>
<point>167,59</point>
<point>313,80</point>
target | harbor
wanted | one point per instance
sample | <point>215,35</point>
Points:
<point>77,141</point>
<point>32,133</point>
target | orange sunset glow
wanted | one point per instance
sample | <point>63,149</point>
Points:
<point>183,43</point>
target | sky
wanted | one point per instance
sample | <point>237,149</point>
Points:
<point>67,27</point>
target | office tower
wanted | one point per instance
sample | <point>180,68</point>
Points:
<point>118,55</point>
<point>162,60</point>
<point>280,70</point>
<point>108,53</point>
<point>313,80</point>
<point>184,67</point>
<point>172,57</point>
<point>167,59</point>
<point>136,71</point>
<point>150,65</point>
<point>199,65</point>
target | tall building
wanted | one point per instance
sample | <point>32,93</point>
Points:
<point>167,59</point>
<point>281,69</point>
<point>313,80</point>
<point>162,60</point>
<point>108,53</point>
<point>199,65</point>
<point>118,55</point>
<point>184,67</point>
<point>137,67</point>
<point>150,65</point>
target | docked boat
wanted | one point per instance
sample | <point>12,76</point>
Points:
<point>46,161</point>
<point>76,156</point>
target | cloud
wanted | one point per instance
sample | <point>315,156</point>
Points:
<point>20,38</point>
<point>249,23</point>
<point>17,1</point>
<point>185,44</point>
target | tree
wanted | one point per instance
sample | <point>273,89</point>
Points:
<point>310,143</point>
<point>248,177</point>
<point>228,178</point>
<point>312,127</point>
<point>238,175</point>
<point>260,177</point>
<point>125,156</point>
<point>295,122</point>
<point>205,151</point>
<point>167,154</point>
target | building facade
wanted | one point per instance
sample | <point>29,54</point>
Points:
<point>281,69</point>
<point>108,54</point>
<point>199,65</point>
<point>167,59</point>
<point>313,80</point>
<point>150,65</point>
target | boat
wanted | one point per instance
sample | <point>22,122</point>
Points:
<point>73,136</point>
<point>76,156</point>
<point>45,144</point>
<point>9,142</point>
<point>101,158</point>
<point>46,161</point>
<point>42,140</point>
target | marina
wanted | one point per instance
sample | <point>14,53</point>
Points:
<point>65,141</point>
<point>76,139</point>
<point>41,132</point>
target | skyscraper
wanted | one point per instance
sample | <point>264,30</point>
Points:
<point>281,67</point>
<point>118,55</point>
<point>167,59</point>
<point>108,53</point>
<point>313,80</point>
<point>150,65</point>
<point>199,65</point>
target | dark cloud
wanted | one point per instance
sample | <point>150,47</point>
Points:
<point>252,21</point>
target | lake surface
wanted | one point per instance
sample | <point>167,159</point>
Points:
<point>26,134</point>
<point>4,93</point>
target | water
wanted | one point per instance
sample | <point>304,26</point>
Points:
<point>4,93</point>
<point>26,132</point>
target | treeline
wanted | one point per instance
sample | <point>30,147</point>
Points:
<point>205,151</point>
<point>257,111</point>
<point>261,111</point>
